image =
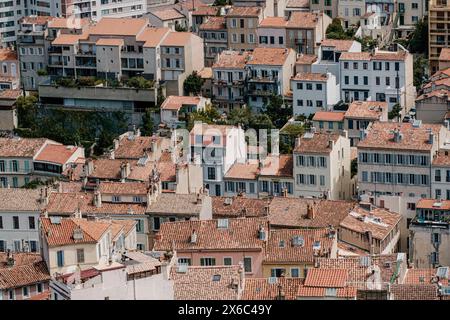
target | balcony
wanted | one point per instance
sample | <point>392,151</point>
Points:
<point>53,50</point>
<point>264,79</point>
<point>261,93</point>
<point>85,52</point>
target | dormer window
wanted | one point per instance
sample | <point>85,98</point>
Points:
<point>115,198</point>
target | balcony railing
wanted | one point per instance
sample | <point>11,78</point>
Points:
<point>264,79</point>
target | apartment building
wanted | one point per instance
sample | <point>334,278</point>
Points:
<point>8,109</point>
<point>329,52</point>
<point>242,179</point>
<point>394,165</point>
<point>270,72</point>
<point>429,234</point>
<point>19,219</point>
<point>271,32</point>
<point>433,106</point>
<point>410,12</point>
<point>440,175</point>
<point>181,54</point>
<point>383,76</point>
<point>215,36</point>
<point>216,148</point>
<point>276,176</point>
<point>242,23</point>
<point>444,59</point>
<point>71,243</point>
<point>351,11</point>
<point>270,8</point>
<point>304,30</point>
<point>329,7</point>
<point>25,159</point>
<point>10,13</point>
<point>168,18</point>
<point>291,252</point>
<point>322,166</point>
<point>438,20</point>
<point>217,242</point>
<point>373,230</point>
<point>329,121</point>
<point>229,80</point>
<point>360,114</point>
<point>314,92</point>
<point>202,15</point>
<point>175,109</point>
<point>9,76</point>
<point>23,276</point>
<point>96,10</point>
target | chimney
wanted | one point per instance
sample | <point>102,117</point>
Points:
<point>88,167</point>
<point>266,210</point>
<point>44,195</point>
<point>112,154</point>
<point>297,142</point>
<point>194,236</point>
<point>397,135</point>
<point>198,199</point>
<point>116,144</point>
<point>369,239</point>
<point>125,169</point>
<point>10,259</point>
<point>431,137</point>
<point>97,199</point>
<point>310,214</point>
<point>330,144</point>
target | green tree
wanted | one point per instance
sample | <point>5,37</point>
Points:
<point>278,112</point>
<point>336,31</point>
<point>354,167</point>
<point>395,112</point>
<point>147,123</point>
<point>220,3</point>
<point>104,141</point>
<point>367,43</point>
<point>139,83</point>
<point>193,84</point>
<point>419,39</point>
<point>26,109</point>
<point>420,67</point>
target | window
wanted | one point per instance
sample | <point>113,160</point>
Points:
<point>1,222</point>
<point>11,294</point>
<point>2,166</point>
<point>277,272</point>
<point>435,238</point>
<point>14,166</point>
<point>2,246</point>
<point>211,173</point>
<point>33,246</point>
<point>16,222</point>
<point>346,79</point>
<point>388,81</point>
<point>207,261</point>
<point>300,86</point>
<point>345,65</point>
<point>115,198</point>
<point>248,264</point>
<point>185,261</point>
<point>252,187</point>
<point>80,255</point>
<point>140,246</point>
<point>319,104</point>
<point>437,175</point>
<point>156,223</point>
<point>377,65</point>
<point>309,86</point>
<point>319,86</point>
<point>227,261</point>
<point>60,258</point>
<point>397,66</point>
<point>140,226</point>
<point>355,80</point>
<point>434,257</point>
<point>300,103</point>
<point>365,65</point>
<point>322,180</point>
<point>39,288</point>
<point>295,273</point>
<point>31,223</point>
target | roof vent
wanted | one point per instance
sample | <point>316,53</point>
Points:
<point>222,223</point>
<point>281,244</point>
<point>55,220</point>
<point>194,237</point>
<point>77,234</point>
<point>216,277</point>
<point>298,241</point>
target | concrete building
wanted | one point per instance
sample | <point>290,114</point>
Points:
<point>410,12</point>
<point>108,8</point>
<point>360,114</point>
<point>202,15</point>
<point>438,19</point>
<point>328,55</point>
<point>175,109</point>
<point>271,32</point>
<point>242,178</point>
<point>25,159</point>
<point>168,18</point>
<point>394,166</point>
<point>429,234</point>
<point>329,121</point>
<point>314,92</point>
<point>276,176</point>
<point>270,73</point>
<point>361,78</point>
<point>329,7</point>
<point>216,148</point>
<point>322,166</point>
<point>351,11</point>
<point>215,36</point>
<point>305,30</point>
<point>444,59</point>
<point>9,76</point>
<point>440,175</point>
<point>8,111</point>
<point>217,242</point>
<point>433,107</point>
<point>242,23</point>
<point>229,80</point>
<point>19,219</point>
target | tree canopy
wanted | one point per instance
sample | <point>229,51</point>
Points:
<point>193,84</point>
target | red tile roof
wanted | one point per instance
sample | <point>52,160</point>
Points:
<point>326,278</point>
<point>232,59</point>
<point>244,12</point>
<point>306,59</point>
<point>58,154</point>
<point>414,292</point>
<point>214,23</point>
<point>238,206</point>
<point>442,159</point>
<point>433,204</point>
<point>176,102</point>
<point>7,54</point>
<point>316,292</point>
<point>241,234</point>
<point>269,56</point>
<point>318,142</point>
<point>26,271</point>
<point>277,166</point>
<point>445,54</point>
<point>302,20</point>
<point>273,22</point>
<point>328,116</point>
<point>366,109</point>
<point>20,147</point>
<point>262,289</point>
<point>308,76</point>
<point>339,45</point>
<point>123,188</point>
<point>243,171</point>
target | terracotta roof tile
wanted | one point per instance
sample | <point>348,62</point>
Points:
<point>205,11</point>
<point>433,204</point>
<point>381,136</point>
<point>419,276</point>
<point>69,39</point>
<point>242,171</point>
<point>167,168</point>
<point>135,147</point>
<point>439,93</point>
<point>123,188</point>
<point>58,154</point>
<point>176,102</point>
<point>39,20</point>
<point>292,212</point>
<point>302,20</point>
<point>279,166</point>
<point>309,292</point>
<point>241,234</point>
<point>306,59</point>
<point>366,110</point>
<point>280,248</point>
<point>328,116</point>
<point>23,273</point>
<point>445,54</point>
<point>7,54</point>
<point>308,76</point>
<point>214,23</point>
<point>68,23</point>
<point>261,289</point>
<point>442,159</point>
<point>119,26</point>
<point>297,4</point>
<point>10,94</point>
<point>109,42</point>
<point>339,45</point>
<point>173,204</point>
<point>20,147</point>
<point>62,234</point>
<point>232,60</point>
<point>152,36</point>
<point>238,206</point>
<point>206,283</point>
<point>16,200</point>
<point>414,292</point>
<point>269,56</point>
<point>362,56</point>
<point>442,82</point>
<point>167,14</point>
<point>244,12</point>
<point>318,142</point>
<point>326,278</point>
<point>178,39</point>
<point>273,22</point>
